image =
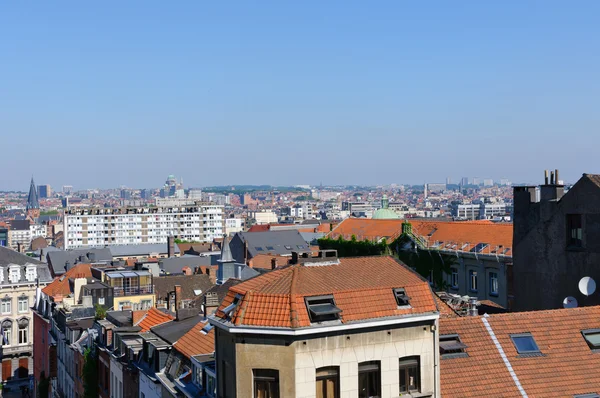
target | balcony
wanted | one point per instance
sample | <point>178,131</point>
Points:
<point>133,291</point>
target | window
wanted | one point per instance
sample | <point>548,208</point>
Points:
<point>258,248</point>
<point>6,333</point>
<point>288,247</point>
<point>493,284</point>
<point>369,379</point>
<point>524,343</point>
<point>454,278</point>
<point>146,304</point>
<point>266,383</point>
<point>328,382</point>
<point>322,308</point>
<point>23,335</point>
<point>592,337</point>
<point>401,298</point>
<point>5,306</point>
<point>270,248</point>
<point>198,376</point>
<point>479,247</point>
<point>574,230</point>
<point>452,347</point>
<point>591,395</point>
<point>101,300</point>
<point>301,247</point>
<point>410,380</point>
<point>473,281</point>
<point>23,304</point>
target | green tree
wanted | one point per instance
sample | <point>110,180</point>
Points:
<point>100,312</point>
<point>90,374</point>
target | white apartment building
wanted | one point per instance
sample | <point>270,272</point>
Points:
<point>99,227</point>
<point>233,226</point>
<point>264,217</point>
<point>22,232</point>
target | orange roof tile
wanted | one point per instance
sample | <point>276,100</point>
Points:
<point>264,260</point>
<point>195,342</point>
<point>566,368</point>
<point>60,286</point>
<point>445,310</point>
<point>361,287</point>
<point>153,318</point>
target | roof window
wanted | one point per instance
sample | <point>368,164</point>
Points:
<point>479,247</point>
<point>258,248</point>
<point>592,337</point>
<point>401,298</point>
<point>288,247</point>
<point>236,300</point>
<point>591,395</point>
<point>206,329</point>
<point>270,248</point>
<point>525,343</point>
<point>322,308</point>
<point>452,347</point>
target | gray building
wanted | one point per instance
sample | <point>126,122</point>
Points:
<point>246,245</point>
<point>556,242</point>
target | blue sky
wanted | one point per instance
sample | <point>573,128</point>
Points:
<point>340,92</point>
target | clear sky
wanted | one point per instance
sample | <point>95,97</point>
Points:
<point>103,94</point>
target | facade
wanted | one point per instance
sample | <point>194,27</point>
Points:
<point>44,191</point>
<point>363,337</point>
<point>19,278</point>
<point>4,237</point>
<point>22,232</point>
<point>99,227</point>
<point>234,225</point>
<point>480,211</point>
<point>264,217</point>
<point>556,242</point>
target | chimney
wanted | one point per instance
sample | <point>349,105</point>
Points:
<point>170,246</point>
<point>177,297</point>
<point>545,177</point>
<point>551,190</point>
<point>187,270</point>
<point>67,265</point>
<point>273,263</point>
<point>473,311</point>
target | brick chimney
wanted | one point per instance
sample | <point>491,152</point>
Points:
<point>177,297</point>
<point>273,263</point>
<point>186,270</point>
<point>170,246</point>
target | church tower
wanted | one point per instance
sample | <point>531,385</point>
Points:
<point>33,204</point>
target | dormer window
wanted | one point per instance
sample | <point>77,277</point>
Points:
<point>452,347</point>
<point>401,298</point>
<point>322,309</point>
<point>31,273</point>
<point>14,274</point>
<point>236,300</point>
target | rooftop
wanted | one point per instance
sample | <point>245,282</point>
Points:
<point>362,288</point>
<point>196,342</point>
<point>563,366</point>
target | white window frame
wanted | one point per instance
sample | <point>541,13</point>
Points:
<point>494,284</point>
<point>22,300</point>
<point>4,304</point>
<point>473,282</point>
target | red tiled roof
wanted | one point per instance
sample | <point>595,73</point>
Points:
<point>195,342</point>
<point>153,318</point>
<point>462,234</point>
<point>361,287</point>
<point>264,260</point>
<point>445,310</point>
<point>60,286</point>
<point>465,233</point>
<point>568,365</point>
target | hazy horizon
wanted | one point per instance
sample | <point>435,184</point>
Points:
<point>343,93</point>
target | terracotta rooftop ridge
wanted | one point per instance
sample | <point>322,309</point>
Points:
<point>293,294</point>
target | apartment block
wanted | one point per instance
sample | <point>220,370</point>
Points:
<point>98,227</point>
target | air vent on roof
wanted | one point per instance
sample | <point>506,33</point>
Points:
<point>322,308</point>
<point>401,298</point>
<point>452,347</point>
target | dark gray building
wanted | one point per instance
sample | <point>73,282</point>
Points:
<point>246,245</point>
<point>556,242</point>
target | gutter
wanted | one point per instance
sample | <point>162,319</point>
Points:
<point>321,329</point>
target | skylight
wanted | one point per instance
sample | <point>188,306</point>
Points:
<point>401,298</point>
<point>287,247</point>
<point>236,300</point>
<point>322,308</point>
<point>270,248</point>
<point>525,343</point>
<point>592,337</point>
<point>258,248</point>
<point>479,247</point>
<point>452,347</point>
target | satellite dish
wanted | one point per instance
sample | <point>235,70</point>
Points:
<point>587,286</point>
<point>570,302</point>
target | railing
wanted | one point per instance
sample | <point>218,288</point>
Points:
<point>133,291</point>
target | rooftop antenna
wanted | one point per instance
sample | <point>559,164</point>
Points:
<point>570,302</point>
<point>587,286</point>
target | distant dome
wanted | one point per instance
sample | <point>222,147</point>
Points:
<point>385,214</point>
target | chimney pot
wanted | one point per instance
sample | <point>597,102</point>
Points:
<point>170,246</point>
<point>546,177</point>
<point>556,177</point>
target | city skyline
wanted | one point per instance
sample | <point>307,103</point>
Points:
<point>347,94</point>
